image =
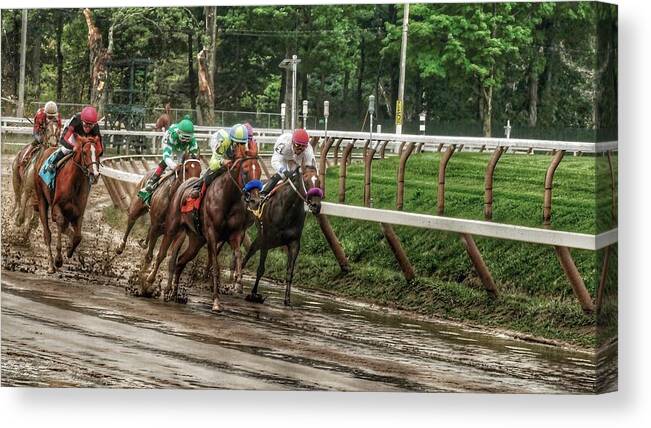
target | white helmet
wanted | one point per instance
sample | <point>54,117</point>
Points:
<point>51,108</point>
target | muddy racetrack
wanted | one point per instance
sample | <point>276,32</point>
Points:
<point>78,327</point>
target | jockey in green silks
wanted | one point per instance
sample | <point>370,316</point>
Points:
<point>177,140</point>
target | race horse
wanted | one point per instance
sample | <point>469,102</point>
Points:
<point>22,169</point>
<point>280,221</point>
<point>221,217</point>
<point>67,201</point>
<point>159,204</point>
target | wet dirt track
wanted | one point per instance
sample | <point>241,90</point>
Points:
<point>79,328</point>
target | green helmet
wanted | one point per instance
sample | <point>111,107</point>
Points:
<point>186,129</point>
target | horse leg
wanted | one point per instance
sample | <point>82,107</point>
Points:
<point>209,264</point>
<point>162,252</point>
<point>134,214</point>
<point>169,292</point>
<point>235,241</point>
<point>194,245</point>
<point>292,254</point>
<point>75,238</point>
<point>47,235</point>
<point>62,225</point>
<point>254,296</point>
<point>213,249</point>
<point>152,237</point>
<point>16,179</point>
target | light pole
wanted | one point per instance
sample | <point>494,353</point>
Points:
<point>371,110</point>
<point>423,116</point>
<point>403,60</point>
<point>286,63</point>
<point>305,114</point>
<point>20,111</point>
<point>326,113</point>
<point>283,112</point>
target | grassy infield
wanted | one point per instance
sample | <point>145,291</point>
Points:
<point>535,296</point>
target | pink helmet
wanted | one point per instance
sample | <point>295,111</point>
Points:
<point>300,137</point>
<point>249,128</point>
<point>89,114</point>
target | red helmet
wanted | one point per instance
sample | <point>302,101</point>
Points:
<point>300,137</point>
<point>89,114</point>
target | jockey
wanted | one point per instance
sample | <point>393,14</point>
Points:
<point>178,140</point>
<point>43,116</point>
<point>289,148</point>
<point>223,154</point>
<point>83,124</point>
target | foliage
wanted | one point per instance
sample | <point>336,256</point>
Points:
<point>535,64</point>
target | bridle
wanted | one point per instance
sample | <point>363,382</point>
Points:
<point>237,163</point>
<point>85,168</point>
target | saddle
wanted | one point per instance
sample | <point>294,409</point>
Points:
<point>47,175</point>
<point>192,205</point>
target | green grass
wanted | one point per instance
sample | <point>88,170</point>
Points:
<point>534,294</point>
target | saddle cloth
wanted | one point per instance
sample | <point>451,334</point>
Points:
<point>49,176</point>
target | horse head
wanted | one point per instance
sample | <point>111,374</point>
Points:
<point>246,160</point>
<point>312,185</point>
<point>52,133</point>
<point>87,153</point>
<point>191,167</point>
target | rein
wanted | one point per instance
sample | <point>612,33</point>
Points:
<point>239,161</point>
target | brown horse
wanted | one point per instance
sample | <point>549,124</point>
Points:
<point>164,120</point>
<point>70,195</point>
<point>222,217</point>
<point>23,178</point>
<point>280,224</point>
<point>160,201</point>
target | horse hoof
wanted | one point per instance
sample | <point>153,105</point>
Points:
<point>58,262</point>
<point>286,302</point>
<point>119,250</point>
<point>51,269</point>
<point>255,298</point>
<point>141,243</point>
<point>216,306</point>
<point>182,299</point>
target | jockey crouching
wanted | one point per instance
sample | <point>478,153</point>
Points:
<point>82,124</point>
<point>290,150</point>
<point>177,140</point>
<point>43,116</point>
<point>223,154</point>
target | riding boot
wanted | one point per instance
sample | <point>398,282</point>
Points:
<point>145,192</point>
<point>208,177</point>
<point>269,185</point>
<point>56,157</point>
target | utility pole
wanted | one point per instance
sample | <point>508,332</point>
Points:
<point>403,60</point>
<point>286,64</point>
<point>20,111</point>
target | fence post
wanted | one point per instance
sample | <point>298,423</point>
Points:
<point>443,164</point>
<point>488,183</point>
<point>401,175</point>
<point>549,184</point>
<point>343,166</point>
<point>323,161</point>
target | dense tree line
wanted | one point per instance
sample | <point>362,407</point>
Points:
<point>540,65</point>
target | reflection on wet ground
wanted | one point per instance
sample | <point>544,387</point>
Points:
<point>66,334</point>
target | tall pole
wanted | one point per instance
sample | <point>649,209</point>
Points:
<point>20,111</point>
<point>403,60</point>
<point>294,66</point>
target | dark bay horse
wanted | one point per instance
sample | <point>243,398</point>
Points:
<point>222,217</point>
<point>22,169</point>
<point>160,200</point>
<point>158,206</point>
<point>280,224</point>
<point>70,195</point>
